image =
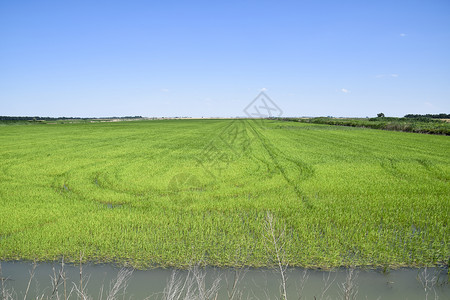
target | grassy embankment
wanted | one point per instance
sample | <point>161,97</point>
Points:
<point>418,125</point>
<point>175,192</point>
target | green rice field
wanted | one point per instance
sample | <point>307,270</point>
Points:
<point>173,192</point>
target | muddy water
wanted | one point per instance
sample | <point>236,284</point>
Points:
<point>256,283</point>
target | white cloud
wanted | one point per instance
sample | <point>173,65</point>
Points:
<point>345,91</point>
<point>387,75</point>
<point>263,89</point>
<point>165,90</point>
<point>402,34</point>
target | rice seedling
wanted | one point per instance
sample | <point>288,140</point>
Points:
<point>344,196</point>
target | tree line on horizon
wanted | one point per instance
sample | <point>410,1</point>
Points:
<point>36,118</point>
<point>431,116</point>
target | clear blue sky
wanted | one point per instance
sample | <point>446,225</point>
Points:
<point>211,58</point>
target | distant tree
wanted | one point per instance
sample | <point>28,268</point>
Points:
<point>380,115</point>
<point>432,116</point>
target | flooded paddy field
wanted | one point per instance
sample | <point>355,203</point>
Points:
<point>170,192</point>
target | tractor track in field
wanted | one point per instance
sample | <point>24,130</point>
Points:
<point>305,170</point>
<point>392,166</point>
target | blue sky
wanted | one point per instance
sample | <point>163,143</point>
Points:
<point>211,58</point>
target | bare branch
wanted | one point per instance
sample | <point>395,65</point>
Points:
<point>349,287</point>
<point>428,282</point>
<point>120,283</point>
<point>301,283</point>
<point>275,243</point>
<point>327,283</point>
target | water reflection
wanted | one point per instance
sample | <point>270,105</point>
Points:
<point>98,281</point>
